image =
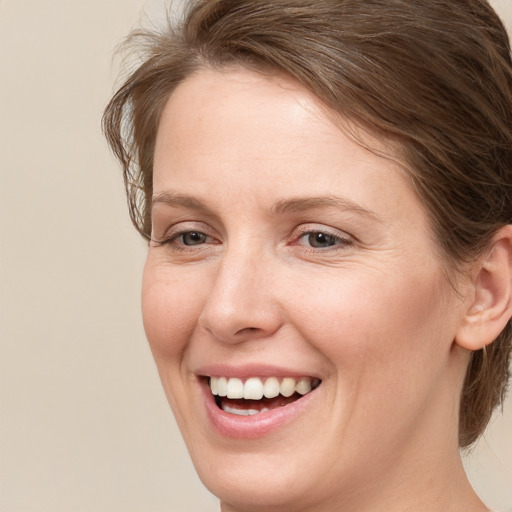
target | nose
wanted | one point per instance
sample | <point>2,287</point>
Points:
<point>241,305</point>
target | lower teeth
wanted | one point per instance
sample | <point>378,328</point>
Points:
<point>243,407</point>
<point>243,412</point>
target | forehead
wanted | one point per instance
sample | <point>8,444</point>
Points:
<point>237,103</point>
<point>264,134</point>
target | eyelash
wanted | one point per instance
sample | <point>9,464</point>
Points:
<point>338,242</point>
<point>171,241</point>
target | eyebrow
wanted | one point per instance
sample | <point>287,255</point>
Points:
<point>173,199</point>
<point>281,206</point>
<point>311,203</point>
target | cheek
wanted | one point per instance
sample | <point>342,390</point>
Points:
<point>388,345</point>
<point>170,309</point>
<point>372,325</point>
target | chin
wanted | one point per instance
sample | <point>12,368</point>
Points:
<point>257,482</point>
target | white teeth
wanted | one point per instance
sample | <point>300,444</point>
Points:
<point>287,387</point>
<point>303,386</point>
<point>222,386</point>
<point>270,388</point>
<point>255,389</point>
<point>241,412</point>
<point>235,388</point>
<point>214,386</point>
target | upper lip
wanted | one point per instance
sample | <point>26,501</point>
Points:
<point>246,371</point>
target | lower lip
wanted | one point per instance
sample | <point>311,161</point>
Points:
<point>257,425</point>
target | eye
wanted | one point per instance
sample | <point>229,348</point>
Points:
<point>319,240</point>
<point>185,239</point>
<point>191,238</point>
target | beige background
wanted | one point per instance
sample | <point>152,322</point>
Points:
<point>84,425</point>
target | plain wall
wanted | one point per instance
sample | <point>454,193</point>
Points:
<point>84,425</point>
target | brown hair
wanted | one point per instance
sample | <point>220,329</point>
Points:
<point>434,75</point>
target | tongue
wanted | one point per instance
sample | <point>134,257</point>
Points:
<point>268,403</point>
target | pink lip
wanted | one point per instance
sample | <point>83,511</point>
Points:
<point>250,370</point>
<point>251,427</point>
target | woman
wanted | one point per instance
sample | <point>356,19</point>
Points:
<point>326,188</point>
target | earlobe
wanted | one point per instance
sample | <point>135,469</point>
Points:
<point>491,298</point>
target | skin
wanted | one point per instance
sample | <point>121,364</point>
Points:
<point>372,313</point>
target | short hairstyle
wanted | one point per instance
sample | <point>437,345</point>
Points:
<point>434,76</point>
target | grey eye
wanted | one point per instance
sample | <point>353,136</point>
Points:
<point>320,240</point>
<point>193,238</point>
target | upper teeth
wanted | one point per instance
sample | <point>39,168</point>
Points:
<point>255,388</point>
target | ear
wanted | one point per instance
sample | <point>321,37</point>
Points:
<point>490,308</point>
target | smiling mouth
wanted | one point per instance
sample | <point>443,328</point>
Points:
<point>256,395</point>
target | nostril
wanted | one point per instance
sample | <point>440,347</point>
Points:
<point>247,330</point>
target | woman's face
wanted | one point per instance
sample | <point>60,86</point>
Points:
<point>287,255</point>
